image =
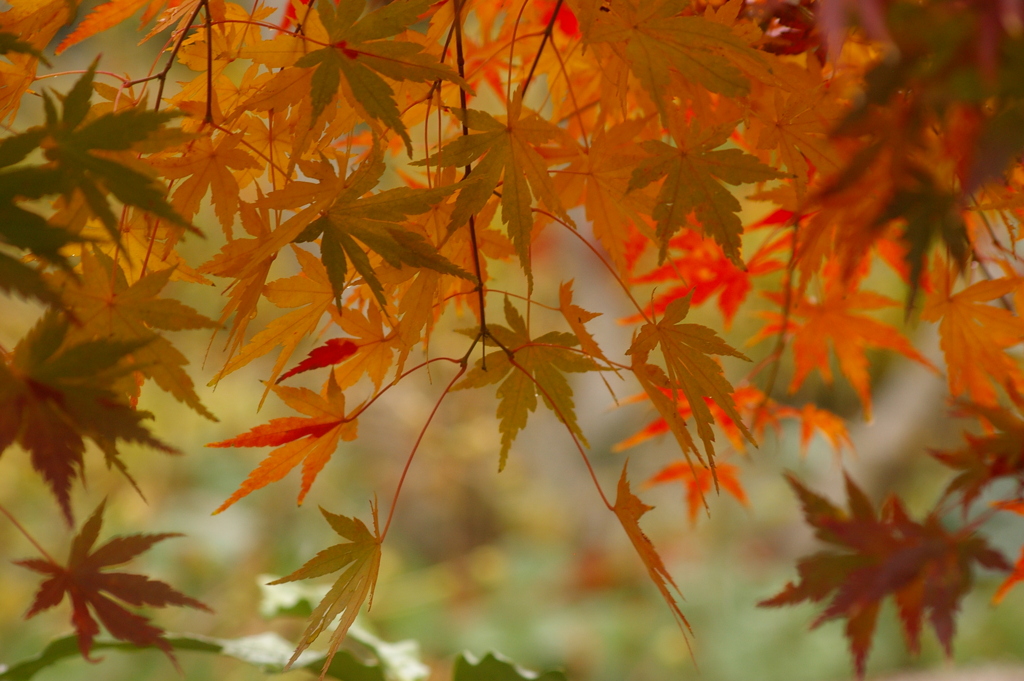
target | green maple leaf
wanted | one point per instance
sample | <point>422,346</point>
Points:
<point>359,52</point>
<point>359,558</point>
<point>508,152</point>
<point>375,222</point>
<point>107,307</point>
<point>54,394</point>
<point>540,366</point>
<point>694,171</point>
<point>68,143</point>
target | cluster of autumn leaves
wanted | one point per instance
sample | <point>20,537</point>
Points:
<point>396,152</point>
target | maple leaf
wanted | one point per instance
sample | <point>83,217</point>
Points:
<point>537,364</point>
<point>988,457</point>
<point>360,558</point>
<point>797,124</point>
<point>833,321</point>
<point>105,16</point>
<point>375,221</point>
<point>602,175</point>
<point>108,307</point>
<point>690,371</point>
<point>628,509</point>
<point>925,567</point>
<point>830,426</point>
<point>375,347</point>
<point>1016,576</point>
<point>35,22</point>
<point>334,351</point>
<point>357,50</point>
<point>694,170</point>
<point>310,441</point>
<point>704,270</point>
<point>54,394</point>
<point>577,318</point>
<point>208,165</point>
<point>246,292</point>
<point>658,41</point>
<point>509,157</point>
<point>974,335</point>
<point>70,144</point>
<point>92,590</point>
<point>697,482</point>
<point>310,293</point>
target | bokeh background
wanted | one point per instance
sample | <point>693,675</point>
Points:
<point>527,562</point>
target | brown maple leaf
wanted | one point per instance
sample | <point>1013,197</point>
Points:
<point>924,566</point>
<point>93,591</point>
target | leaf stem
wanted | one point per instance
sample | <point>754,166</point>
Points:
<point>415,448</point>
<point>597,254</point>
<point>28,536</point>
<point>561,417</point>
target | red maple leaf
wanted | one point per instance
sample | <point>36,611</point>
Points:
<point>84,583</point>
<point>334,351</point>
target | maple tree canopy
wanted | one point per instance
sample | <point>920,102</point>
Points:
<point>827,176</point>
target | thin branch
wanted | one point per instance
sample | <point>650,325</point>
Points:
<point>461,62</point>
<point>208,118</point>
<point>600,257</point>
<point>543,42</point>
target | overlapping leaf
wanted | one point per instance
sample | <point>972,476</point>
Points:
<point>54,395</point>
<point>975,335</point>
<point>834,321</point>
<point>529,366</point>
<point>509,157</point>
<point>358,51</point>
<point>694,170</point>
<point>658,41</point>
<point>689,372</point>
<point>697,483</point>
<point>76,150</point>
<point>109,308</point>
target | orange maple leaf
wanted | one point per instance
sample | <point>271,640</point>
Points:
<point>833,321</point>
<point>208,165</point>
<point>108,15</point>
<point>311,440</point>
<point>974,335</point>
<point>697,481</point>
<point>628,509</point>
